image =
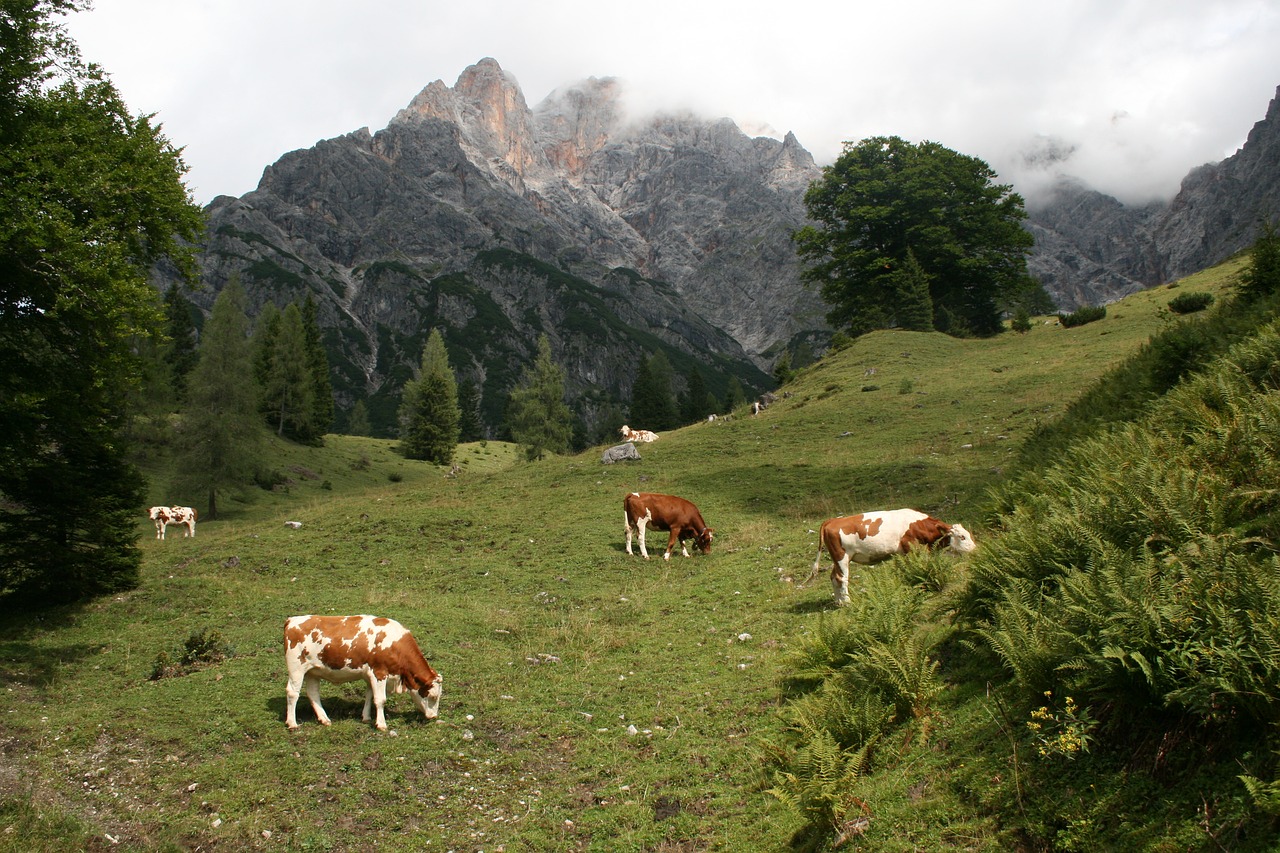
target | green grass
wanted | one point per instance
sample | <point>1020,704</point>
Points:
<point>553,642</point>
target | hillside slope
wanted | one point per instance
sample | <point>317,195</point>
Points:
<point>592,700</point>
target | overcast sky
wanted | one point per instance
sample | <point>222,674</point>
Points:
<point>1139,91</point>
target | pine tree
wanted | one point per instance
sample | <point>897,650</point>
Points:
<point>221,428</point>
<point>429,413</point>
<point>92,200</point>
<point>470,424</point>
<point>1261,275</point>
<point>653,402</point>
<point>265,331</point>
<point>537,414</point>
<point>289,389</point>
<point>358,420</point>
<point>913,306</point>
<point>694,403</point>
<point>180,351</point>
<point>318,363</point>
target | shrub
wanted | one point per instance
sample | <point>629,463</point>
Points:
<point>1082,315</point>
<point>1189,303</point>
<point>200,649</point>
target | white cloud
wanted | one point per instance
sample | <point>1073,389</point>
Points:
<point>1143,89</point>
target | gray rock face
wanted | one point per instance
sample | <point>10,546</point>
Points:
<point>472,212</point>
<point>1091,249</point>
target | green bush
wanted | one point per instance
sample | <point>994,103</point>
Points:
<point>1082,315</point>
<point>1189,303</point>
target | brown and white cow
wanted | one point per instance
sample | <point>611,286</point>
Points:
<point>163,516</point>
<point>378,651</point>
<point>665,512</point>
<point>629,434</point>
<point>870,537</point>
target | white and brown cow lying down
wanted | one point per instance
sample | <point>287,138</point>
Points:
<point>629,434</point>
<point>665,512</point>
<point>870,537</point>
<point>381,652</point>
<point>163,516</point>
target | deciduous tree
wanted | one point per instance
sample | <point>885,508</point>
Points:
<point>885,200</point>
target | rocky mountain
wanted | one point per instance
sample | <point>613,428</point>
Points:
<point>619,236</point>
<point>496,222</point>
<point>1091,249</point>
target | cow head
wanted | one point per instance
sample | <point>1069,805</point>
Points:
<point>704,540</point>
<point>158,511</point>
<point>427,697</point>
<point>960,540</point>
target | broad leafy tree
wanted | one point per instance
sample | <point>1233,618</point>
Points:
<point>429,413</point>
<point>892,219</point>
<point>221,428</point>
<point>90,198</point>
<point>536,412</point>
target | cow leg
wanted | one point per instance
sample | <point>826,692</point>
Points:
<point>159,530</point>
<point>840,580</point>
<point>627,523</point>
<point>291,692</point>
<point>377,692</point>
<point>640,525</point>
<point>313,693</point>
<point>671,543</point>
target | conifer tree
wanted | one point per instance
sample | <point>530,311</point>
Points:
<point>358,420</point>
<point>470,423</point>
<point>735,396</point>
<point>913,306</point>
<point>782,371</point>
<point>221,428</point>
<point>653,402</point>
<point>318,362</point>
<point>265,331</point>
<point>289,389</point>
<point>92,198</point>
<point>694,403</point>
<point>1261,274</point>
<point>181,350</point>
<point>429,413</point>
<point>536,412</point>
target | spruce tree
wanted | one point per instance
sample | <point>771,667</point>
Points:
<point>536,412</point>
<point>265,331</point>
<point>913,306</point>
<point>289,390</point>
<point>429,413</point>
<point>318,363</point>
<point>358,420</point>
<point>653,402</point>
<point>694,403</point>
<point>470,423</point>
<point>221,428</point>
<point>92,198</point>
<point>1261,274</point>
<point>181,350</point>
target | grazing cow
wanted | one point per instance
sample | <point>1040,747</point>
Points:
<point>163,516</point>
<point>378,651</point>
<point>665,512</point>
<point>629,434</point>
<point>873,536</point>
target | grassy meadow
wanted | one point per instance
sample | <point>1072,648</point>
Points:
<point>592,700</point>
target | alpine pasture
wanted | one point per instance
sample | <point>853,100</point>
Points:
<point>592,700</point>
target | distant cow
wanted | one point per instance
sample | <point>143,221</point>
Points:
<point>665,512</point>
<point>629,434</point>
<point>870,537</point>
<point>163,516</point>
<point>381,652</point>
